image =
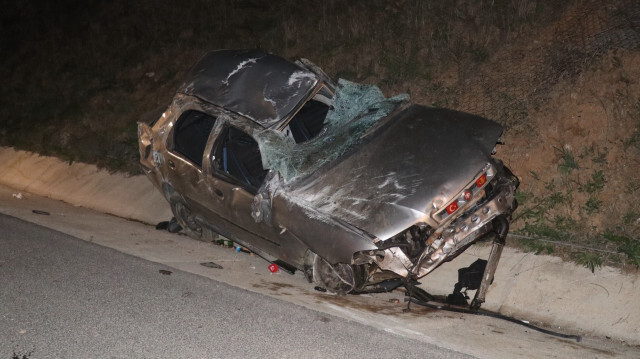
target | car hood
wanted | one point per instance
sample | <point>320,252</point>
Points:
<point>392,178</point>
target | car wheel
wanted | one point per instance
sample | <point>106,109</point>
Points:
<point>337,278</point>
<point>186,220</point>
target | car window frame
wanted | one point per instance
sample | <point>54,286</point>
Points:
<point>172,135</point>
<point>224,124</point>
<point>193,104</point>
<point>312,94</point>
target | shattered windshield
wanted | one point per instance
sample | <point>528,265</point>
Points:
<point>308,122</point>
<point>355,109</point>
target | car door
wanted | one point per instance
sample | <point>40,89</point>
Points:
<point>187,143</point>
<point>236,174</point>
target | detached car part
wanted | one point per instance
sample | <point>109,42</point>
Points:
<point>357,190</point>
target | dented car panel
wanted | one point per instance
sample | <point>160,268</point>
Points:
<point>252,83</point>
<point>406,172</point>
<point>334,180</point>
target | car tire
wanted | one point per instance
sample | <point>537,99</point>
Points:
<point>186,220</point>
<point>174,226</point>
<point>337,278</point>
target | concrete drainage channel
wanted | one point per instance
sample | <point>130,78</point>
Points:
<point>541,289</point>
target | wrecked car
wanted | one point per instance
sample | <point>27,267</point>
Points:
<point>357,190</point>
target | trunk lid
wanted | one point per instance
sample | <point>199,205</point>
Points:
<point>392,179</point>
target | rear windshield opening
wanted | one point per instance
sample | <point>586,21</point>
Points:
<point>310,120</point>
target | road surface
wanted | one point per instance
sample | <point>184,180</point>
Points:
<point>66,298</point>
<point>99,293</point>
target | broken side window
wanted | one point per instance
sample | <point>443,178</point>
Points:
<point>191,134</point>
<point>237,156</point>
<point>310,119</point>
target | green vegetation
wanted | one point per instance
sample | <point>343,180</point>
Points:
<point>588,259</point>
<point>625,245</point>
<point>568,162</point>
<point>634,139</point>
<point>549,223</point>
<point>595,184</point>
<point>592,206</point>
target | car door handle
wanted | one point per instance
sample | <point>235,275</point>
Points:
<point>171,164</point>
<point>218,193</point>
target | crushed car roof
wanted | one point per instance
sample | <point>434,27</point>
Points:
<point>258,85</point>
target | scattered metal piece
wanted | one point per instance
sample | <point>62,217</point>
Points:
<point>384,286</point>
<point>469,278</point>
<point>501,225</point>
<point>211,265</point>
<point>165,272</point>
<point>486,313</point>
<point>320,289</point>
<point>36,211</point>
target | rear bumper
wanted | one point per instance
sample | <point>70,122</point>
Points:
<point>471,226</point>
<point>448,242</point>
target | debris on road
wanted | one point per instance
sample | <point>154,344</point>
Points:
<point>273,268</point>
<point>162,226</point>
<point>469,278</point>
<point>165,272</point>
<point>172,226</point>
<point>224,242</point>
<point>211,265</point>
<point>45,213</point>
<point>482,312</point>
<point>242,249</point>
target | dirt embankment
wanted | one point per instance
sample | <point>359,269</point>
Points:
<point>580,162</point>
<point>562,77</point>
<point>569,97</point>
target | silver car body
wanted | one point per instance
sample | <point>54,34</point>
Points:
<point>411,189</point>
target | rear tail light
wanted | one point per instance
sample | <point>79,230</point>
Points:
<point>481,180</point>
<point>452,207</point>
<point>465,197</point>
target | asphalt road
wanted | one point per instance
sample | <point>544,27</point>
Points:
<point>62,297</point>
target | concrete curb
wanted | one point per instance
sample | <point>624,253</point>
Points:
<point>83,185</point>
<point>538,288</point>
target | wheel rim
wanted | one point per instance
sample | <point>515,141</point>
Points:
<point>336,278</point>
<point>186,220</point>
